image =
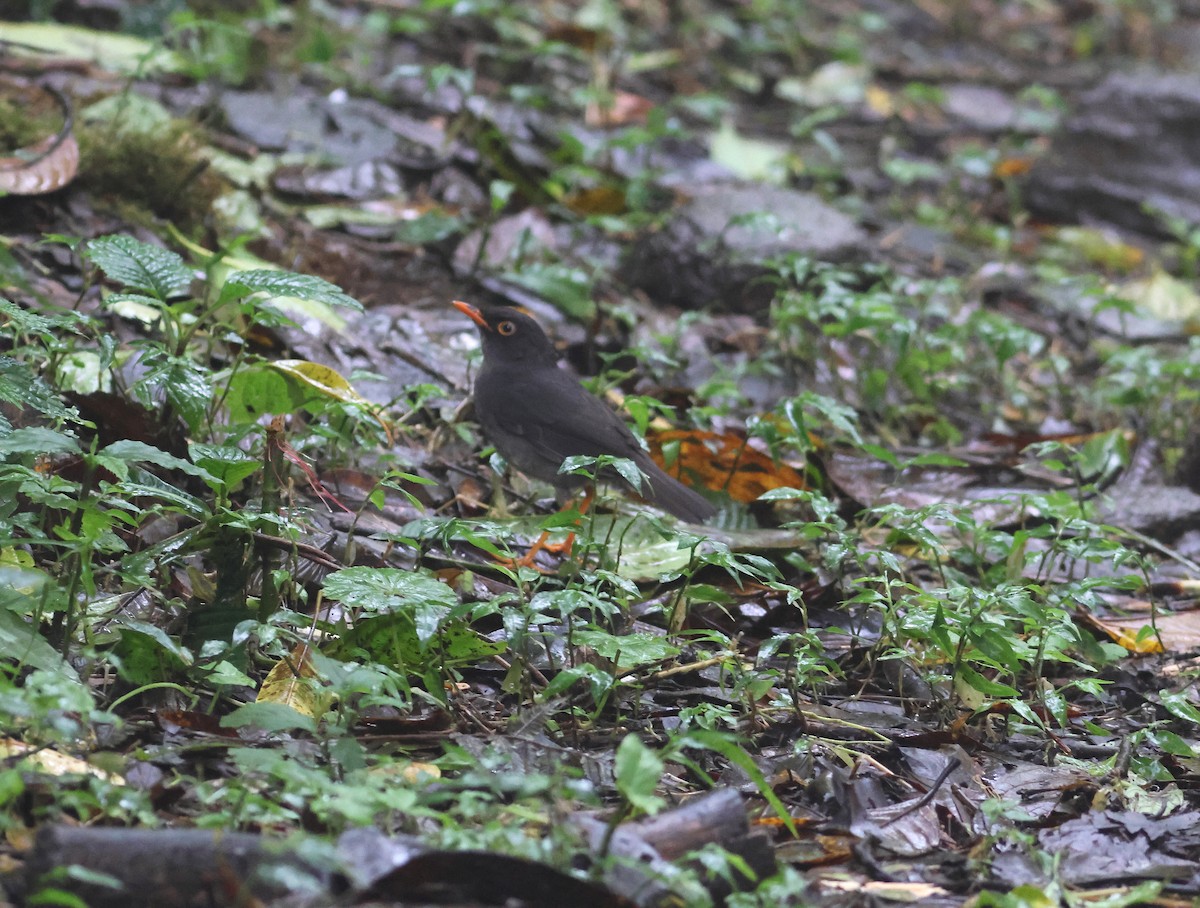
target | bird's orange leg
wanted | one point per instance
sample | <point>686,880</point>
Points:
<point>563,548</point>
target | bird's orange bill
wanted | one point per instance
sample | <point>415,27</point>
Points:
<point>472,313</point>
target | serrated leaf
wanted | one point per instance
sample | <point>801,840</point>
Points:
<point>386,589</point>
<point>287,284</point>
<point>185,384</point>
<point>229,464</point>
<point>18,319</point>
<point>627,650</point>
<point>140,266</point>
<point>20,385</point>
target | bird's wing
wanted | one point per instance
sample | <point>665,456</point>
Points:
<point>567,421</point>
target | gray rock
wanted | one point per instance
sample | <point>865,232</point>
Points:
<point>1131,145</point>
<point>344,130</point>
<point>1160,511</point>
<point>720,244</point>
<point>980,106</point>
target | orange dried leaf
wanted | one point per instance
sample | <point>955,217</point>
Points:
<point>622,109</point>
<point>598,200</point>
<point>580,36</point>
<point>1012,167</point>
<point>726,462</point>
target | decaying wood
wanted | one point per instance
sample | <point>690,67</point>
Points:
<point>159,868</point>
<point>716,817</point>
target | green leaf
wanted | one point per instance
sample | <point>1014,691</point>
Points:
<point>628,650</point>
<point>782,493</point>
<point>568,288</point>
<point>136,307</point>
<point>638,772</point>
<point>387,589</point>
<point>287,284</point>
<point>226,674</point>
<point>227,464</point>
<point>19,320</point>
<point>1178,705</point>
<point>147,654</point>
<point>21,643</point>
<point>984,685</point>
<point>150,486</point>
<point>599,681</point>
<point>431,227</point>
<point>112,51</point>
<point>268,717</point>
<point>140,266</point>
<point>392,639</point>
<point>720,743</point>
<point>185,384</point>
<point>428,618</point>
<point>259,391</point>
<point>132,451</point>
<point>38,440</point>
<point>20,385</point>
<point>168,644</point>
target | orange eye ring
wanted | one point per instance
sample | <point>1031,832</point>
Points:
<point>506,328</point>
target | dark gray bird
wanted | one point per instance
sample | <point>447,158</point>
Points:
<point>537,415</point>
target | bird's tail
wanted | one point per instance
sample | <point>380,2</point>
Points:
<point>673,496</point>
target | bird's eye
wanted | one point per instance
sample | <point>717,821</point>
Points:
<point>506,328</point>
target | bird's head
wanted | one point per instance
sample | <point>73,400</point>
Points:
<point>509,334</point>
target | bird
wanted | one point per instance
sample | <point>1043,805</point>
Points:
<point>537,415</point>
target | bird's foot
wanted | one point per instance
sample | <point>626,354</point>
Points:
<point>541,545</point>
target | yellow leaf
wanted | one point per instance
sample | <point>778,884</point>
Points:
<point>1165,297</point>
<point>328,381</point>
<point>880,100</point>
<point>52,762</point>
<point>294,682</point>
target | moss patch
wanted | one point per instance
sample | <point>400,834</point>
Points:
<point>150,174</point>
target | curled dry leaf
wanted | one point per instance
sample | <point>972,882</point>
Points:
<point>47,165</point>
<point>53,168</point>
